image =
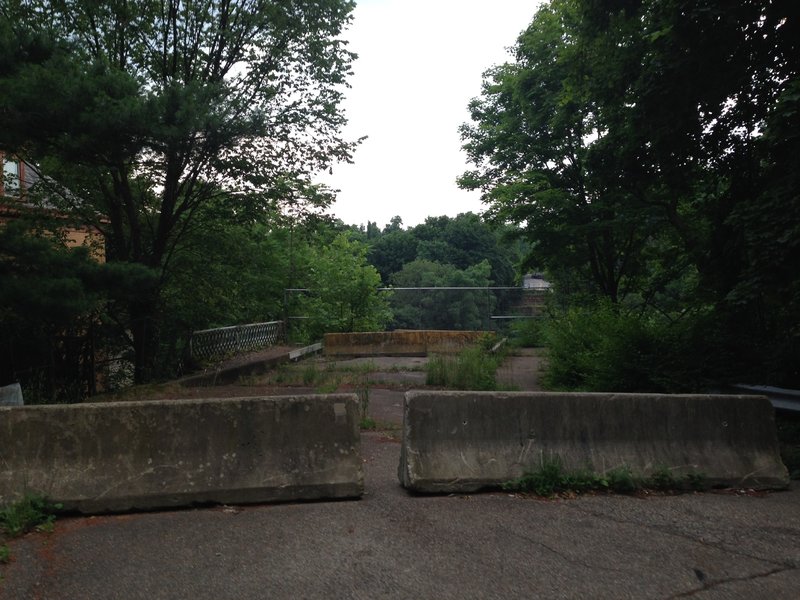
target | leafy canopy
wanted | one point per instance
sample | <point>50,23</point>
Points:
<point>138,114</point>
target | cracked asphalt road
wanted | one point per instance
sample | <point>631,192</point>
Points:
<point>394,545</point>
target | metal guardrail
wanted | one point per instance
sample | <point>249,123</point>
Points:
<point>208,343</point>
<point>782,399</point>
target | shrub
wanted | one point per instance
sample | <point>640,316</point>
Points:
<point>526,333</point>
<point>608,348</point>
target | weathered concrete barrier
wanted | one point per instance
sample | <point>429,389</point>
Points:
<point>11,395</point>
<point>97,458</point>
<point>398,343</point>
<point>465,441</point>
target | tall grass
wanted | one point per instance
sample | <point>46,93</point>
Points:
<point>474,368</point>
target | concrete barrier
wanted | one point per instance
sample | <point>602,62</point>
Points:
<point>398,343</point>
<point>11,395</point>
<point>466,441</point>
<point>97,458</point>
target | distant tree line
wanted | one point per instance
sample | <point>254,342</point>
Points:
<point>464,251</point>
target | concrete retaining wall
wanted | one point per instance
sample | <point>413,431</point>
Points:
<point>465,441</point>
<point>122,456</point>
<point>398,343</point>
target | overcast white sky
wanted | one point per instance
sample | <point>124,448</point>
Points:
<point>420,62</point>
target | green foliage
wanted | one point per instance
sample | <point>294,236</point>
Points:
<point>310,374</point>
<point>648,152</point>
<point>461,241</point>
<point>442,309</point>
<point>33,511</point>
<point>545,481</point>
<point>663,479</point>
<point>368,424</point>
<point>389,252</point>
<point>5,555</point>
<point>526,333</point>
<point>344,291</point>
<point>474,368</point>
<point>552,478</point>
<point>535,160</point>
<point>55,303</point>
<point>362,391</point>
<point>608,348</point>
<point>139,118</point>
<point>621,480</point>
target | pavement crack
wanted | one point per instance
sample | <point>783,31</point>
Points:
<point>667,530</point>
<point>719,582</point>
<point>563,556</point>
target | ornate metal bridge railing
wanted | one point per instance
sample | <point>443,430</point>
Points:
<point>209,343</point>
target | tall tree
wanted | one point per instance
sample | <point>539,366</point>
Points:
<point>537,144</point>
<point>651,143</point>
<point>344,294</point>
<point>444,308</point>
<point>139,113</point>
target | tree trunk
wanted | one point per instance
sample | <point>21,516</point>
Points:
<point>144,332</point>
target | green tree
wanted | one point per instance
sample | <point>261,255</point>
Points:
<point>535,141</point>
<point>466,240</point>
<point>705,134</point>
<point>389,252</point>
<point>54,301</point>
<point>140,113</point>
<point>238,266</point>
<point>343,288</point>
<point>647,150</point>
<point>465,309</point>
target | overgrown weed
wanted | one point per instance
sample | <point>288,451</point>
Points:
<point>552,478</point>
<point>32,512</point>
<point>474,368</point>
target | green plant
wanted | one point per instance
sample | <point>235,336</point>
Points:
<point>622,480</point>
<point>33,511</point>
<point>474,368</point>
<point>329,387</point>
<point>362,391</point>
<point>368,423</point>
<point>551,478</point>
<point>662,479</point>
<point>526,333</point>
<point>545,481</point>
<point>5,555</point>
<point>309,374</point>
<point>602,348</point>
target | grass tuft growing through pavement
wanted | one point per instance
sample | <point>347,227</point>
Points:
<point>33,511</point>
<point>552,478</point>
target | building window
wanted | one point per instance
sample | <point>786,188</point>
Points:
<point>11,176</point>
<point>15,178</point>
